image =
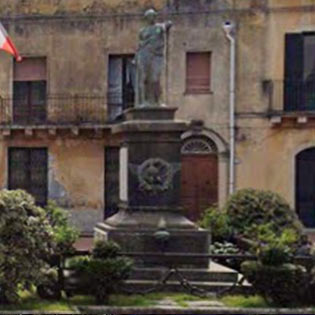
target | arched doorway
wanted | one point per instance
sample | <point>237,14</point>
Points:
<point>199,178</point>
<point>305,187</point>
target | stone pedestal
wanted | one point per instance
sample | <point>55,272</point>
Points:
<point>150,190</point>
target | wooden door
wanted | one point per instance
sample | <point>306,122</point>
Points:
<point>199,183</point>
<point>305,187</point>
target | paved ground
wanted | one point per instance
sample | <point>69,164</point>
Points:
<point>84,243</point>
<point>193,310</point>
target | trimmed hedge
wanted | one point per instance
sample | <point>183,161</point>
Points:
<point>250,208</point>
<point>284,285</point>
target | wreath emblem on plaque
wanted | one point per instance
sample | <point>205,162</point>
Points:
<point>155,175</point>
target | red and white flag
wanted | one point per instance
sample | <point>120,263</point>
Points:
<point>7,45</point>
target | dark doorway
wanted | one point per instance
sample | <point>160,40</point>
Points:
<point>28,170</point>
<point>305,187</point>
<point>111,180</point>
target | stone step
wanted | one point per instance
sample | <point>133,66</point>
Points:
<point>189,274</point>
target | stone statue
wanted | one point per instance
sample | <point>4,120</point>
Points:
<point>149,60</point>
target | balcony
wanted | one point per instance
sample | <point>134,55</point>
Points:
<point>291,100</point>
<point>53,110</point>
<point>61,110</point>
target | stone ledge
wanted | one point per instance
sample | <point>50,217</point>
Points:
<point>36,312</point>
<point>189,311</point>
<point>150,113</point>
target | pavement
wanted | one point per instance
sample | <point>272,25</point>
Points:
<point>84,243</point>
<point>190,310</point>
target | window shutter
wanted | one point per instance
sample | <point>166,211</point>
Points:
<point>293,83</point>
<point>30,69</point>
<point>115,80</point>
<point>115,87</point>
<point>129,81</point>
<point>198,72</point>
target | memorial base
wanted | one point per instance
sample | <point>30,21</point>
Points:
<point>183,242</point>
<point>150,178</point>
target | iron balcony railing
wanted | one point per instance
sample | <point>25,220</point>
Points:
<point>60,110</point>
<point>290,95</point>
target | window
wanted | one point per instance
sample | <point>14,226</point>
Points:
<point>29,91</point>
<point>304,185</point>
<point>198,72</point>
<point>111,180</point>
<point>121,83</point>
<point>299,83</point>
<point>28,170</point>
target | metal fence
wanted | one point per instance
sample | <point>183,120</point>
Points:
<point>172,269</point>
<point>289,95</point>
<point>54,110</point>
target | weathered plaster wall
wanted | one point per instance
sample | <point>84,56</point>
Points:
<point>75,176</point>
<point>77,49</point>
<point>57,7</point>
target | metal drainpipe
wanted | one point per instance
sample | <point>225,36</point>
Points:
<point>229,30</point>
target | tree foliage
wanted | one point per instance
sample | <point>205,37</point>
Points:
<point>65,235</point>
<point>26,242</point>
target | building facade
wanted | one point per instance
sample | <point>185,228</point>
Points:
<point>77,77</point>
<point>275,102</point>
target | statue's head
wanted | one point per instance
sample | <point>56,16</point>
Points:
<point>150,15</point>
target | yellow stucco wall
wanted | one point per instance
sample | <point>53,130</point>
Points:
<point>266,154</point>
<point>75,171</point>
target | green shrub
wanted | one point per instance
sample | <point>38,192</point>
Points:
<point>26,242</point>
<point>65,235</point>
<point>226,248</point>
<point>77,263</point>
<point>283,285</point>
<point>106,276</point>
<point>104,269</point>
<point>103,250</point>
<point>248,209</point>
<point>275,255</point>
<point>218,222</point>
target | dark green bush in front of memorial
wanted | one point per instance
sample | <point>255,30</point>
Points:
<point>103,272</point>
<point>253,213</point>
<point>274,275</point>
<point>26,242</point>
<point>282,285</point>
<point>105,250</point>
<point>218,222</point>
